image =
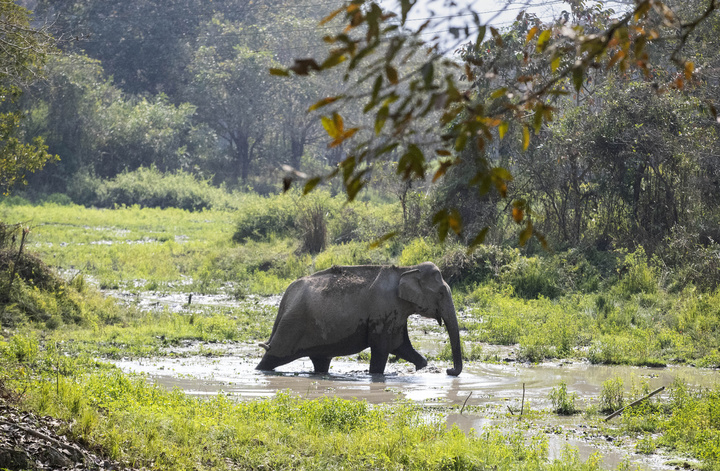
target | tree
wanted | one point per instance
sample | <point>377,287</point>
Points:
<point>23,50</point>
<point>96,128</point>
<point>564,53</point>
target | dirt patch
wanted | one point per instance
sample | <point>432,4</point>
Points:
<point>32,442</point>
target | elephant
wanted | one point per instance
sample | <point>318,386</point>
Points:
<point>345,309</point>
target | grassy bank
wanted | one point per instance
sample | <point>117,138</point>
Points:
<point>144,425</point>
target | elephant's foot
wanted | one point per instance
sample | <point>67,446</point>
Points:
<point>321,364</point>
<point>378,360</point>
<point>421,364</point>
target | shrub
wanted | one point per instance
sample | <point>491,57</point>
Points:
<point>313,227</point>
<point>532,278</point>
<point>149,187</point>
<point>637,275</point>
<point>265,217</point>
<point>418,251</point>
<point>612,396</point>
<point>563,403</point>
<point>485,263</point>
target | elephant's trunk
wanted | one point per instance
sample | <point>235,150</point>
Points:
<point>451,324</point>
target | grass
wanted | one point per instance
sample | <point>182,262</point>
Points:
<point>144,425</point>
<point>614,312</point>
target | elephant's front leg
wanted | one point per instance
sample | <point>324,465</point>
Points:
<point>321,364</point>
<point>378,360</point>
<point>408,353</point>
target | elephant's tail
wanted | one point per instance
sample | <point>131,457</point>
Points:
<point>264,345</point>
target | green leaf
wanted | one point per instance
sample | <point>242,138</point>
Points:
<point>279,72</point>
<point>405,6</point>
<point>428,72</point>
<point>392,74</point>
<point>538,118</point>
<point>478,239</point>
<point>525,234</point>
<point>335,58</point>
<point>440,219</point>
<point>555,64</point>
<point>498,93</point>
<point>380,119</point>
<point>311,184</point>
<point>578,74</point>
<point>543,39</point>
<point>381,240</point>
<point>480,36</point>
<point>412,163</point>
<point>330,127</point>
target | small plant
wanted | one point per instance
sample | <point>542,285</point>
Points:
<point>314,228</point>
<point>563,402</point>
<point>612,396</point>
<point>646,445</point>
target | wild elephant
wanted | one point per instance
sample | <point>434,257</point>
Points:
<point>346,309</point>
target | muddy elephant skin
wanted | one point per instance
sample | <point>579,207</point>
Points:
<point>346,309</point>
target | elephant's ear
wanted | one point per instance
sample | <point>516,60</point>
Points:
<point>409,287</point>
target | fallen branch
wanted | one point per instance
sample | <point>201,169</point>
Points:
<point>522,404</point>
<point>466,399</point>
<point>620,411</point>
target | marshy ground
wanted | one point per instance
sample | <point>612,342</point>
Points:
<point>163,361</point>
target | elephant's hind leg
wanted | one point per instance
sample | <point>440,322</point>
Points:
<point>321,364</point>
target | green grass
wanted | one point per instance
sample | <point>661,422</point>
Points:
<point>145,425</point>
<point>615,311</point>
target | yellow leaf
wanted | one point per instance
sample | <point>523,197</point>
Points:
<point>526,137</point>
<point>689,68</point>
<point>330,127</point>
<point>324,102</point>
<point>332,15</point>
<point>339,124</point>
<point>503,129</point>
<point>555,64</point>
<point>531,34</point>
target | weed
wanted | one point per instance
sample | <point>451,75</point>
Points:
<point>563,402</point>
<point>612,396</point>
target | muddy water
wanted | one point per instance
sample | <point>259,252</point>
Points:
<point>487,391</point>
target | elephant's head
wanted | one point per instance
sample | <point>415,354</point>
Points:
<point>424,286</point>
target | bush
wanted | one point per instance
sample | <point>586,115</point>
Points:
<point>149,187</point>
<point>563,403</point>
<point>313,226</point>
<point>691,259</point>
<point>263,218</point>
<point>485,263</point>
<point>419,251</point>
<point>612,396</point>
<point>532,278</point>
<point>637,275</point>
